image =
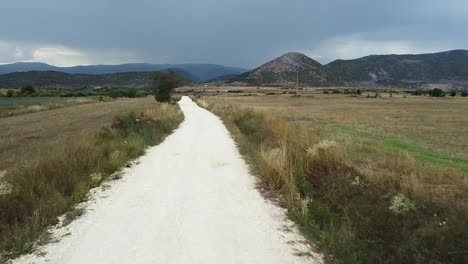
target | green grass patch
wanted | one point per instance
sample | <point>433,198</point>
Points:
<point>426,155</point>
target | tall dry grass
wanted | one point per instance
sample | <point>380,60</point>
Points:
<point>396,211</point>
<point>61,173</point>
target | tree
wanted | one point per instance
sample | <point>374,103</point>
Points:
<point>28,89</point>
<point>453,93</point>
<point>464,93</point>
<point>436,92</point>
<point>164,85</point>
<point>10,93</point>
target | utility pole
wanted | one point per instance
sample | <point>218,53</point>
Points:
<point>297,78</point>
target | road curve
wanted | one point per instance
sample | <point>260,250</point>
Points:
<point>188,200</point>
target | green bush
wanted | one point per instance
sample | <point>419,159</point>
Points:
<point>27,90</point>
<point>436,92</point>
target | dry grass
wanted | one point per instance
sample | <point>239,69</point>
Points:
<point>349,177</point>
<point>26,105</point>
<point>438,124</point>
<point>53,158</point>
<point>22,135</point>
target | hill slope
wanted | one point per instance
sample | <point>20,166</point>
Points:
<point>444,67</point>
<point>201,72</point>
<point>450,66</point>
<point>53,79</point>
<point>285,70</point>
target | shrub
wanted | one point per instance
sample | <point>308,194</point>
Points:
<point>436,92</point>
<point>27,90</point>
<point>464,93</point>
<point>453,93</point>
<point>10,93</point>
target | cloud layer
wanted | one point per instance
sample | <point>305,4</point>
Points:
<point>232,32</point>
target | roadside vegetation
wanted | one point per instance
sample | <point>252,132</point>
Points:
<point>363,186</point>
<point>29,100</point>
<point>57,173</point>
<point>114,92</point>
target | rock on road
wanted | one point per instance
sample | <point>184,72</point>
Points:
<point>190,199</point>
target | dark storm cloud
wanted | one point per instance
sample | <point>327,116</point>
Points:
<point>242,32</point>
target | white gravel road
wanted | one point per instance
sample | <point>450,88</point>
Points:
<point>188,200</point>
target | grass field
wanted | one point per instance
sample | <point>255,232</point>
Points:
<point>25,105</point>
<point>50,159</point>
<point>23,135</point>
<point>432,128</point>
<point>369,180</point>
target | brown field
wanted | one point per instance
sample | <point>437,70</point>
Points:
<point>367,179</point>
<point>50,159</point>
<point>22,134</point>
<point>435,124</point>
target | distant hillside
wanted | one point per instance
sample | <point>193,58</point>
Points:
<point>53,79</point>
<point>201,72</point>
<point>450,66</point>
<point>285,70</point>
<point>445,67</point>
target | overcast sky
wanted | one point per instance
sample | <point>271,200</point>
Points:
<point>242,33</point>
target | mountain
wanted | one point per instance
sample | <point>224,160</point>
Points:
<point>201,72</point>
<point>285,70</point>
<point>53,79</point>
<point>449,67</point>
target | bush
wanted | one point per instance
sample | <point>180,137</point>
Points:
<point>436,92</point>
<point>10,93</point>
<point>453,93</point>
<point>464,93</point>
<point>27,90</point>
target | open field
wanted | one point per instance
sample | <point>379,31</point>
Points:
<point>50,159</point>
<point>23,134</point>
<point>369,180</point>
<point>25,105</point>
<point>432,128</point>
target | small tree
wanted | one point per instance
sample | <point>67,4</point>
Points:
<point>453,93</point>
<point>436,92</point>
<point>164,85</point>
<point>28,89</point>
<point>464,93</point>
<point>10,93</point>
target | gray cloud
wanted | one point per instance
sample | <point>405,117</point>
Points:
<point>236,32</point>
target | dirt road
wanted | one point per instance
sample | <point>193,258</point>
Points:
<point>189,200</point>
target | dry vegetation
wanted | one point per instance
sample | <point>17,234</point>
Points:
<point>370,180</point>
<point>50,159</point>
<point>25,105</point>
